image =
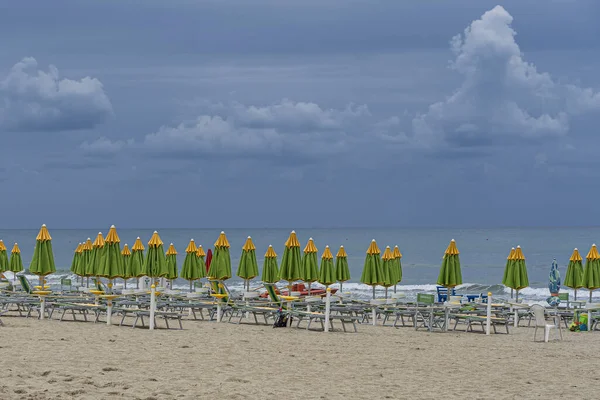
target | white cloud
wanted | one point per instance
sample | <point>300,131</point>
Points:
<point>104,146</point>
<point>35,100</point>
<point>285,128</point>
<point>502,97</point>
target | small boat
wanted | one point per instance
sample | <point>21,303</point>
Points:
<point>303,290</point>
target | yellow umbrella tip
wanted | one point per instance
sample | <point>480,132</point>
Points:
<point>222,240</point>
<point>292,241</point>
<point>249,245</point>
<point>191,248</point>
<point>43,235</point>
<point>327,254</point>
<point>396,252</point>
<point>342,252</point>
<point>155,240</point>
<point>387,254</point>
<point>310,246</point>
<point>452,249</point>
<point>171,250</point>
<point>15,249</point>
<point>373,249</point>
<point>112,236</point>
<point>200,252</point>
<point>270,252</point>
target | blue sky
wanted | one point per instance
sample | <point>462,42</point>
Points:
<point>297,114</point>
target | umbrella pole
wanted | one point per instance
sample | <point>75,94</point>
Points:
<point>373,291</point>
<point>191,286</point>
<point>575,294</point>
<point>511,293</point>
<point>124,283</point>
<point>309,283</point>
<point>386,290</point>
<point>395,288</point>
<point>590,295</point>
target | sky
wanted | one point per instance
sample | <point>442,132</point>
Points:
<point>299,114</point>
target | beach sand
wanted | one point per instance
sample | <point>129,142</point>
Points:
<point>64,360</point>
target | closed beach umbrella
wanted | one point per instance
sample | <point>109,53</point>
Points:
<point>137,261</point>
<point>155,264</point>
<point>270,272</point>
<point>291,262</point>
<point>554,284</point>
<point>126,254</point>
<point>76,256</point>
<point>15,264</point>
<point>3,258</point>
<point>327,271</point>
<point>310,264</point>
<point>450,274</point>
<point>517,277</point>
<point>209,256</point>
<point>591,273</point>
<point>387,267</point>
<point>574,275</point>
<point>342,271</point>
<point>220,265</point>
<point>172,263</point>
<point>248,267</point>
<point>42,262</point>
<point>508,270</point>
<point>84,262</point>
<point>397,266</point>
<point>112,265</point>
<point>75,264</point>
<point>200,257</point>
<point>372,274</point>
<point>95,263</point>
<point>190,270</point>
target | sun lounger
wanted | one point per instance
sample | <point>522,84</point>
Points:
<point>320,317</point>
<point>140,314</point>
<point>470,320</point>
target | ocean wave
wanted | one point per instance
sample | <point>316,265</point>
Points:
<point>356,290</point>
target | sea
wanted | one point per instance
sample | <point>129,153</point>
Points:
<point>483,252</point>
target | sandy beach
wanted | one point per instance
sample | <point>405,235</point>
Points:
<point>60,360</point>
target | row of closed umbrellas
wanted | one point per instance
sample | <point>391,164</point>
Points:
<point>104,258</point>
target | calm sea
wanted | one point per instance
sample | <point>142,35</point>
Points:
<point>483,252</point>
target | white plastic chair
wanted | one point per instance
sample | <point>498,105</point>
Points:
<point>539,313</point>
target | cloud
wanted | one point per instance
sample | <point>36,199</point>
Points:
<point>502,98</point>
<point>286,128</point>
<point>104,146</point>
<point>35,100</point>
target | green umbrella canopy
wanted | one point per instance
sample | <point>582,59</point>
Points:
<point>248,267</point>
<point>42,263</point>
<point>76,259</point>
<point>94,265</point>
<point>200,254</point>
<point>16,264</point>
<point>137,259</point>
<point>310,264</point>
<point>270,272</point>
<point>155,265</point>
<point>450,274</point>
<point>171,262</point>
<point>387,267</point>
<point>86,256</point>
<point>126,255</point>
<point>191,267</point>
<point>517,276</point>
<point>508,267</point>
<point>112,264</point>
<point>327,271</point>
<point>591,273</point>
<point>574,275</point>
<point>3,257</point>
<point>291,262</point>
<point>342,271</point>
<point>372,271</point>
<point>397,265</point>
<point>220,266</point>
